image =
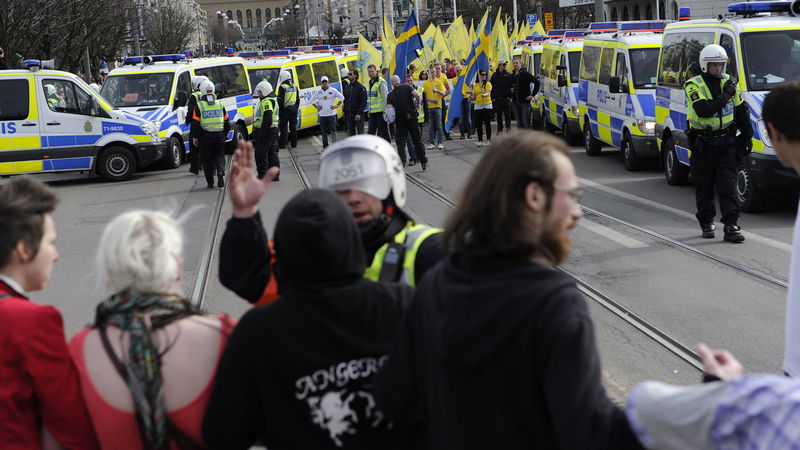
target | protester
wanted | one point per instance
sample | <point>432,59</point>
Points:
<point>481,92</point>
<point>273,384</point>
<point>434,93</point>
<point>440,75</point>
<point>522,93</point>
<point>502,82</point>
<point>525,359</point>
<point>355,104</point>
<point>421,109</point>
<point>404,98</point>
<point>148,359</point>
<point>40,398</point>
<point>326,100</point>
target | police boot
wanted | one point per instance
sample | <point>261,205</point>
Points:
<point>220,181</point>
<point>733,233</point>
<point>708,230</point>
<point>210,181</point>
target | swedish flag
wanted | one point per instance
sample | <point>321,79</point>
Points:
<point>478,59</point>
<point>406,48</point>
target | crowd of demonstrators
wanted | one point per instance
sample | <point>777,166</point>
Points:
<point>40,397</point>
<point>326,100</point>
<point>405,100</point>
<point>147,362</point>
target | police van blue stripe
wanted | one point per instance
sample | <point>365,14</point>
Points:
<point>68,163</point>
<point>648,104</point>
<point>593,114</point>
<point>116,127</point>
<point>616,123</point>
<point>678,119</point>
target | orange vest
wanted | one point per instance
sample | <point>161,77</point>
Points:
<point>270,293</point>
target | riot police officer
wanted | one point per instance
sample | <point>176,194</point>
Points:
<point>715,113</point>
<point>265,130</point>
<point>194,152</point>
<point>288,102</point>
<point>214,123</point>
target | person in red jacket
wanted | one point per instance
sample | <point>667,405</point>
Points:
<point>40,397</point>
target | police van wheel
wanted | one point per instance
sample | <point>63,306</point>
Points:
<point>592,144</point>
<point>749,198</point>
<point>116,164</point>
<point>630,159</point>
<point>675,171</point>
<point>174,154</point>
<point>566,133</point>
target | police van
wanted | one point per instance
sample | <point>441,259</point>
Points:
<point>157,88</point>
<point>347,60</point>
<point>306,69</point>
<point>532,58</point>
<point>52,121</point>
<point>616,93</point>
<point>561,59</point>
<point>763,45</point>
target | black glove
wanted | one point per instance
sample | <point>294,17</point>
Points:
<point>744,145</point>
<point>730,87</point>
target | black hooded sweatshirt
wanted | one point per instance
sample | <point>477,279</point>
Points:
<point>499,353</point>
<point>297,373</point>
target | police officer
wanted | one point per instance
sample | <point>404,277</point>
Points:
<point>194,126</point>
<point>716,111</point>
<point>53,101</point>
<point>288,102</point>
<point>376,103</point>
<point>372,183</point>
<point>214,123</point>
<point>265,130</point>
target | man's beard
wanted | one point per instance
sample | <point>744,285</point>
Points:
<point>559,247</point>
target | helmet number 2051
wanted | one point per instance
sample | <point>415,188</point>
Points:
<point>348,172</point>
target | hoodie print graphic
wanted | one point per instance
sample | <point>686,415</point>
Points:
<point>336,405</point>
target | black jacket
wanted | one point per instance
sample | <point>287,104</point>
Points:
<point>500,353</point>
<point>297,373</point>
<point>402,99</point>
<point>356,99</point>
<point>501,84</point>
<point>244,259</point>
<point>522,85</point>
<point>194,126</point>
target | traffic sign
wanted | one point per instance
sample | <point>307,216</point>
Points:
<point>532,19</point>
<point>548,21</point>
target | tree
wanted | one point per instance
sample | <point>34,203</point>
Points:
<point>169,28</point>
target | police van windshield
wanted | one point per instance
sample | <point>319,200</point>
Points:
<point>771,58</point>
<point>574,66</point>
<point>138,89</point>
<point>259,75</point>
<point>645,66</point>
<point>537,63</point>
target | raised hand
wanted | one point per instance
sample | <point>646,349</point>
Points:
<point>244,188</point>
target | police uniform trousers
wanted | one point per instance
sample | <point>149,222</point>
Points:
<point>194,152</point>
<point>713,169</point>
<point>212,153</point>
<point>266,150</point>
<point>287,122</point>
<point>407,125</point>
<point>378,125</point>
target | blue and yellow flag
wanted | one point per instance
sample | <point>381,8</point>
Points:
<point>406,48</point>
<point>478,59</point>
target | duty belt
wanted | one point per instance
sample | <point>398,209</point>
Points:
<point>711,134</point>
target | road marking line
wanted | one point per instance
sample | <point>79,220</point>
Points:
<point>748,235</point>
<point>611,234</point>
<point>316,139</point>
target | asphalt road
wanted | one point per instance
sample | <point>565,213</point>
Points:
<point>689,297</point>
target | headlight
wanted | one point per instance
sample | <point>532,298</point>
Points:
<point>762,132</point>
<point>646,125</point>
<point>151,129</point>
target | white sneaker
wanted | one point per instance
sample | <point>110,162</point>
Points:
<point>440,147</point>
<point>480,144</point>
<point>431,146</point>
<point>489,142</point>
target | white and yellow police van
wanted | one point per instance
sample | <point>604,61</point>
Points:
<point>157,88</point>
<point>347,59</point>
<point>762,40</point>
<point>306,69</point>
<point>561,59</point>
<point>52,121</point>
<point>616,93</point>
<point>532,58</point>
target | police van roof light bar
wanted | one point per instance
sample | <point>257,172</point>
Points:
<point>538,38</point>
<point>685,14</point>
<point>274,53</point>
<point>574,34</point>
<point>556,33</point>
<point>247,55</point>
<point>603,27</point>
<point>750,8</point>
<point>642,26</point>
<point>153,59</point>
<point>32,64</point>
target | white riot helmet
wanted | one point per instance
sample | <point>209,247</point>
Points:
<point>206,87</point>
<point>365,163</point>
<point>49,89</point>
<point>264,88</point>
<point>197,80</point>
<point>713,54</point>
<point>344,72</point>
<point>285,75</point>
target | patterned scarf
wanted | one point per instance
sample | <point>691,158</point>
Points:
<point>140,315</point>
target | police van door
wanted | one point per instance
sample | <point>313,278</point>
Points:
<point>19,126</point>
<point>71,123</point>
<point>616,103</point>
<point>562,92</point>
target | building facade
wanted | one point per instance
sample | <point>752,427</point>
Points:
<point>663,9</point>
<point>251,15</point>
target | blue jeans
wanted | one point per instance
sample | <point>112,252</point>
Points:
<point>327,124</point>
<point>522,111</point>
<point>465,121</point>
<point>435,130</point>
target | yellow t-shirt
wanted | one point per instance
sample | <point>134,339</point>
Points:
<point>434,99</point>
<point>480,100</point>
<point>445,81</point>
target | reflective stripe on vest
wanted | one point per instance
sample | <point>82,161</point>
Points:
<point>376,101</point>
<point>267,104</point>
<point>196,95</point>
<point>420,109</point>
<point>211,116</point>
<point>289,95</point>
<point>412,237</point>
<point>720,121</point>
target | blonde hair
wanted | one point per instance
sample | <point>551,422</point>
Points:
<point>141,250</point>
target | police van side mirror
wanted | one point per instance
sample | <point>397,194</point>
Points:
<point>562,80</point>
<point>181,99</point>
<point>613,85</point>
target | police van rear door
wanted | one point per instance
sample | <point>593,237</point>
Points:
<point>19,125</point>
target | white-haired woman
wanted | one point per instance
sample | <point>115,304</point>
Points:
<point>148,362</point>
